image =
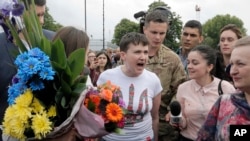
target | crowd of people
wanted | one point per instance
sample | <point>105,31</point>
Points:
<point>211,85</point>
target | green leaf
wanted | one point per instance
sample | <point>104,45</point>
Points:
<point>118,130</point>
<point>33,29</point>
<point>58,55</point>
<point>46,46</point>
<point>58,96</point>
<point>64,102</point>
<point>124,111</point>
<point>16,36</point>
<point>76,62</point>
<point>78,89</point>
<point>80,79</point>
<point>66,89</point>
<point>66,76</point>
<point>91,106</point>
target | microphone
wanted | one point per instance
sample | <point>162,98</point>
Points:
<point>140,14</point>
<point>175,110</point>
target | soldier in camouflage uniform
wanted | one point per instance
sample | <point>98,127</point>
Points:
<point>168,67</point>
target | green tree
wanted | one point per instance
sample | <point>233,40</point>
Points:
<point>174,32</point>
<point>155,4</point>
<point>125,26</point>
<point>49,22</point>
<point>211,28</point>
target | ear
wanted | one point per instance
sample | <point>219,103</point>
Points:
<point>210,67</point>
<point>123,55</point>
<point>144,29</point>
<point>201,39</point>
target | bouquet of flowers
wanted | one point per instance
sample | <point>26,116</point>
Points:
<point>27,115</point>
<point>106,102</point>
<point>46,93</point>
<point>102,111</point>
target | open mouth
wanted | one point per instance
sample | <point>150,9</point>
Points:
<point>141,64</point>
<point>187,44</point>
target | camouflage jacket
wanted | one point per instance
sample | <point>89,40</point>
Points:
<point>169,68</point>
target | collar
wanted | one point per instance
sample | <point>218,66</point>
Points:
<point>206,88</point>
<point>159,56</point>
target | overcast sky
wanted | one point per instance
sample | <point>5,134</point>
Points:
<point>72,12</point>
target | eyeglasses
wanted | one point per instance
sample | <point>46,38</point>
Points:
<point>91,56</point>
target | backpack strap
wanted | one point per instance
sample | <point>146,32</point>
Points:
<point>220,91</point>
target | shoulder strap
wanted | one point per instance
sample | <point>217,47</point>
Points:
<point>220,91</point>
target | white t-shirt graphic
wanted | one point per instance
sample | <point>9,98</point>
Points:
<point>137,93</point>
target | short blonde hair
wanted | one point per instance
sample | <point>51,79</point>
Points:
<point>244,41</point>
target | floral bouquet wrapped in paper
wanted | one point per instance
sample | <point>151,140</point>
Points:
<point>104,102</point>
<point>47,95</point>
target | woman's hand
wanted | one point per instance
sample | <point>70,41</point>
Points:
<point>176,125</point>
<point>167,117</point>
<point>93,64</point>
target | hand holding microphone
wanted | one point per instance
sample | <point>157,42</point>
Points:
<point>175,113</point>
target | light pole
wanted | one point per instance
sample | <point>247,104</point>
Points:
<point>197,9</point>
<point>85,16</point>
<point>103,47</point>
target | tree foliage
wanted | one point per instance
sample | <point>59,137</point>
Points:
<point>174,32</point>
<point>211,28</point>
<point>155,4</point>
<point>125,26</point>
<point>49,22</point>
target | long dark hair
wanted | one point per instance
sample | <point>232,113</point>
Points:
<point>220,70</point>
<point>108,64</point>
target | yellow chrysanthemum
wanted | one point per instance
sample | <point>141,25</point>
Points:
<point>41,125</point>
<point>37,107</point>
<point>52,111</point>
<point>15,124</point>
<point>114,112</point>
<point>19,128</point>
<point>9,114</point>
<point>24,99</point>
<point>22,113</point>
<point>15,128</point>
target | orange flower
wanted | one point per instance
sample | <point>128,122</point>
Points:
<point>86,102</point>
<point>112,87</point>
<point>114,112</point>
<point>108,85</point>
<point>106,94</point>
<point>95,99</point>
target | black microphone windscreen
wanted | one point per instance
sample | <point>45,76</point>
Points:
<point>175,108</point>
<point>139,14</point>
